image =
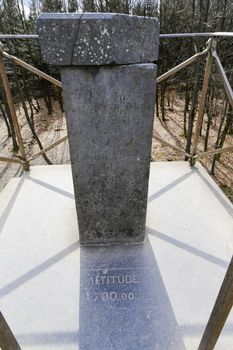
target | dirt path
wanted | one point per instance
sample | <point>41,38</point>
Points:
<point>51,128</point>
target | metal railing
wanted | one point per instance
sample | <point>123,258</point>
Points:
<point>210,50</point>
<point>211,53</point>
<point>162,36</point>
<point>224,300</point>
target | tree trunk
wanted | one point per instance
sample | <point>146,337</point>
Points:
<point>218,138</point>
<point>193,109</point>
<point>28,118</point>
<point>12,132</point>
<point>186,106</point>
<point>5,120</point>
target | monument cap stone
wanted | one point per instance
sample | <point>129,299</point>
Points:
<point>97,39</point>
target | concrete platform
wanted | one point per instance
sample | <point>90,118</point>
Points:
<point>55,295</point>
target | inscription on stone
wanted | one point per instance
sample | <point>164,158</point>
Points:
<point>123,301</point>
<point>119,287</point>
<point>110,143</point>
<point>115,279</point>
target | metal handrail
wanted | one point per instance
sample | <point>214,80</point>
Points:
<point>192,157</point>
<point>193,35</point>
<point>162,36</point>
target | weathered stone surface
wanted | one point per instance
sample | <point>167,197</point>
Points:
<point>98,39</point>
<point>110,112</point>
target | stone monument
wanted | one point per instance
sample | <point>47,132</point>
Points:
<point>108,72</point>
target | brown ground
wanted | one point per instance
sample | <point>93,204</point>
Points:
<point>53,127</point>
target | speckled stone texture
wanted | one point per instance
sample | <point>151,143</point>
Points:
<point>110,112</point>
<point>109,86</point>
<point>97,38</point>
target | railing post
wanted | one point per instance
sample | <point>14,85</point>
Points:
<point>220,312</point>
<point>10,102</point>
<point>202,101</point>
<point>7,338</point>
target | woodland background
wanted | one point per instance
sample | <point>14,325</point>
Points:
<point>177,97</point>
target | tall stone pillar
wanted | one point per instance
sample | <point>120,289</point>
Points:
<point>109,86</point>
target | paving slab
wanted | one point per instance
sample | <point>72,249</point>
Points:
<point>155,295</point>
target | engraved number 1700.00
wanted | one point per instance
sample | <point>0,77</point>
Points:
<point>113,296</point>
